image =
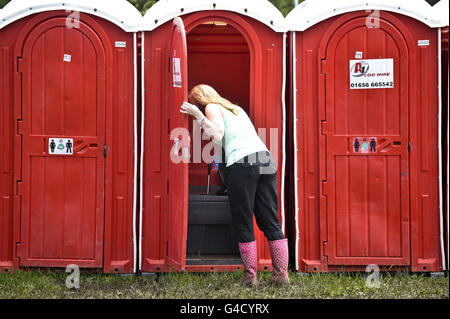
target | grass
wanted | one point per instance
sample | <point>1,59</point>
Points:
<point>46,284</point>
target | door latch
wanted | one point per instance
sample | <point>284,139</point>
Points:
<point>19,64</point>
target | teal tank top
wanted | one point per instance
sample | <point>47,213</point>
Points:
<point>240,137</point>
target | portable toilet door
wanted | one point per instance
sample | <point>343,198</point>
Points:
<point>68,164</point>
<point>237,47</point>
<point>366,135</point>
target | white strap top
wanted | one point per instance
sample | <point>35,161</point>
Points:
<point>240,137</point>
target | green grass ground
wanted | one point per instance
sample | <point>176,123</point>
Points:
<point>51,284</point>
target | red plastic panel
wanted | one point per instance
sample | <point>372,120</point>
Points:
<point>424,164</point>
<point>76,209</point>
<point>377,207</point>
<point>6,159</point>
<point>178,188</point>
<point>445,128</point>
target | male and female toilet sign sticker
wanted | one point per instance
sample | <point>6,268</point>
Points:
<point>60,146</point>
<point>364,145</point>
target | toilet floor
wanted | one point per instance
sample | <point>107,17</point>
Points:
<point>213,260</point>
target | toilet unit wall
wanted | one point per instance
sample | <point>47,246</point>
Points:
<point>68,73</point>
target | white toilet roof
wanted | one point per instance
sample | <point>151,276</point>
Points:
<point>311,12</point>
<point>441,9</point>
<point>261,10</point>
<point>119,12</point>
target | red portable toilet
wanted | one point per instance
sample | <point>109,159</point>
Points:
<point>68,134</point>
<point>366,135</point>
<point>238,47</point>
<point>441,8</point>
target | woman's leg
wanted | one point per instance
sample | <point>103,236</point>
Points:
<point>242,182</point>
<point>266,207</point>
<point>266,213</point>
<point>242,185</point>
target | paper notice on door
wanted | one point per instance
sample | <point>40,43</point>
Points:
<point>121,44</point>
<point>60,146</point>
<point>372,74</point>
<point>423,43</point>
<point>177,82</point>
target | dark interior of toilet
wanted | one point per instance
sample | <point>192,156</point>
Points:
<point>218,55</point>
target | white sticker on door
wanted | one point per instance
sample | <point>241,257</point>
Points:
<point>121,44</point>
<point>372,74</point>
<point>67,58</point>
<point>60,146</point>
<point>177,82</point>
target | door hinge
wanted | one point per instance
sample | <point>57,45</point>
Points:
<point>168,187</point>
<point>19,190</point>
<point>104,150</point>
<point>19,64</point>
<point>19,250</point>
<point>19,127</point>
<point>325,248</point>
<point>409,147</point>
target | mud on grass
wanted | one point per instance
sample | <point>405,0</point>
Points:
<point>45,283</point>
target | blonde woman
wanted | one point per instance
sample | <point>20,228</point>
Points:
<point>250,176</point>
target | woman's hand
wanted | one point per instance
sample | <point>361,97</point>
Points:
<point>212,124</point>
<point>192,110</point>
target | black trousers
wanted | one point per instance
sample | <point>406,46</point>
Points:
<point>252,188</point>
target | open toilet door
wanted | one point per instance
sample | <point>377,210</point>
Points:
<point>178,184</point>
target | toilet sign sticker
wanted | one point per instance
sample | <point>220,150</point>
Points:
<point>177,82</point>
<point>60,146</point>
<point>364,145</point>
<point>371,74</point>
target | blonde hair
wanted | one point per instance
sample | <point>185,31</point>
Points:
<point>202,95</point>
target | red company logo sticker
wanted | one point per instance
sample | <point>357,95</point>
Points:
<point>359,69</point>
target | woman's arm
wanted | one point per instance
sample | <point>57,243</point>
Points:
<point>212,123</point>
